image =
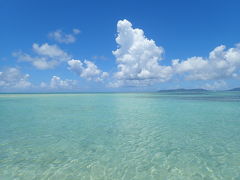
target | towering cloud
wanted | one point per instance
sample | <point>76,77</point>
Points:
<point>138,61</point>
<point>138,58</point>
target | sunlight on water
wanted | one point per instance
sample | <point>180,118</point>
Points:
<point>120,136</point>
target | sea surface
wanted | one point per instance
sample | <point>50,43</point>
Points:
<point>120,136</point>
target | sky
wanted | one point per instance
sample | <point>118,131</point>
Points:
<point>114,46</point>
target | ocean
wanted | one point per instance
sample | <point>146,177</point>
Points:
<point>120,136</point>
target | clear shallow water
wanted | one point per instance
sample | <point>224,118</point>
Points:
<point>120,136</point>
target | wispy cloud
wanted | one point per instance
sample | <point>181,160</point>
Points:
<point>216,85</point>
<point>101,57</point>
<point>62,37</point>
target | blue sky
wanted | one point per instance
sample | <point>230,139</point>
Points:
<point>72,45</point>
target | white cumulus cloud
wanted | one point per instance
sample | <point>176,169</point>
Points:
<point>52,51</point>
<point>138,61</point>
<point>57,83</point>
<point>87,70</point>
<point>221,63</point>
<point>13,78</point>
<point>138,58</point>
<point>62,37</point>
<point>47,56</point>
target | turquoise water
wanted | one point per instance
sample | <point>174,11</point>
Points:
<point>120,136</point>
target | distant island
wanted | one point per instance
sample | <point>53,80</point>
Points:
<point>235,89</point>
<point>184,90</point>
